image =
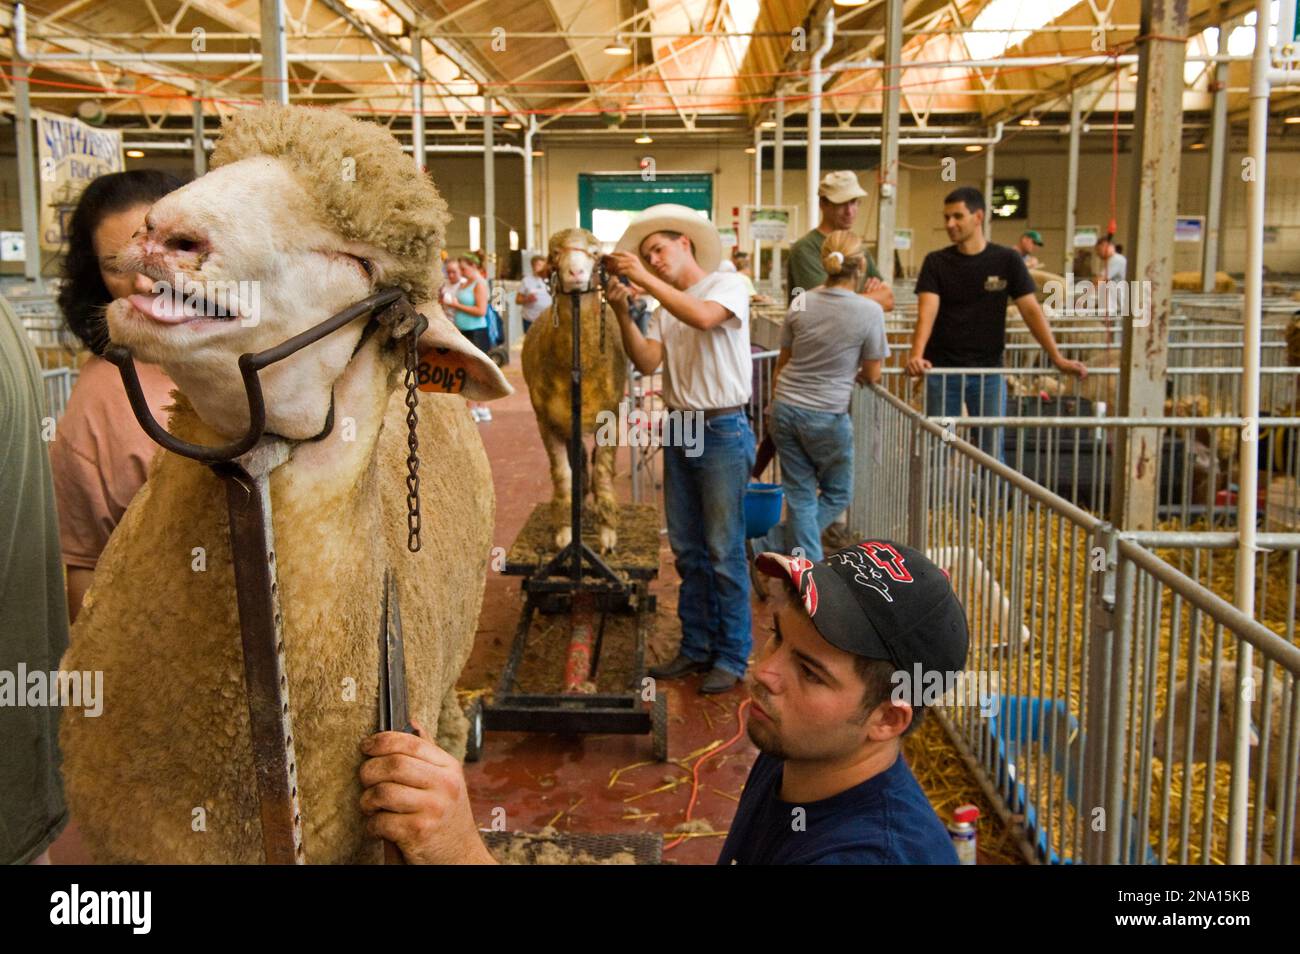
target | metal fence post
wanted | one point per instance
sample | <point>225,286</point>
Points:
<point>1102,564</point>
<point>916,489</point>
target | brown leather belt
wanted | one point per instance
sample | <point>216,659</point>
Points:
<point>712,412</point>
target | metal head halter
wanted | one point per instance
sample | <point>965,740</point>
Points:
<point>389,308</point>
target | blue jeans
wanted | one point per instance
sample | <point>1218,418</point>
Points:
<point>816,450</point>
<point>704,497</point>
<point>985,396</point>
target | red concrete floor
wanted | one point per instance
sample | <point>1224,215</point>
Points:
<point>565,780</point>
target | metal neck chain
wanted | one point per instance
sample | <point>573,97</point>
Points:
<point>413,455</point>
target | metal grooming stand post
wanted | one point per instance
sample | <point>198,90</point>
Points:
<point>579,580</point>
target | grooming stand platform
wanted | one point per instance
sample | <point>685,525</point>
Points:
<point>577,660</point>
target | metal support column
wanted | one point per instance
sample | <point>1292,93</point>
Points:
<point>816,80</point>
<point>758,200</point>
<point>778,191</point>
<point>530,215</point>
<point>417,103</point>
<point>489,193</point>
<point>989,156</point>
<point>1248,455</point>
<point>1072,182</point>
<point>889,123</point>
<point>200,153</point>
<point>1157,137</point>
<point>275,76</point>
<point>1214,194</point>
<point>28,201</point>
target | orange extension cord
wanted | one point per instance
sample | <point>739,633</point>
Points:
<point>695,769</point>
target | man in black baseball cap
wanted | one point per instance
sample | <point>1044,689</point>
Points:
<point>831,703</point>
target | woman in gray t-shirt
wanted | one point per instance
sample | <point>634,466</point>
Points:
<point>835,339</point>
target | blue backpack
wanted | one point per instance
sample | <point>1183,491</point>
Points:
<point>496,334</point>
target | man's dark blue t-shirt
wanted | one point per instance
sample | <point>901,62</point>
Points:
<point>885,820</point>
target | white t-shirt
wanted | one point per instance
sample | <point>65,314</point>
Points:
<point>1115,297</point>
<point>707,368</point>
<point>532,285</point>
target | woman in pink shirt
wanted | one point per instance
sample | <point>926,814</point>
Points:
<point>100,455</point>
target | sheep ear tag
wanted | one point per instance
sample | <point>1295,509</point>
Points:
<point>441,370</point>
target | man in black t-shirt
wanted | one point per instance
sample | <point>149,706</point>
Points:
<point>961,319</point>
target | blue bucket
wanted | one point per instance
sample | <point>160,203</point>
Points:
<point>762,508</point>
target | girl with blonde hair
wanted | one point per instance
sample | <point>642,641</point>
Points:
<point>830,340</point>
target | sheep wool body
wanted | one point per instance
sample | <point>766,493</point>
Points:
<point>165,774</point>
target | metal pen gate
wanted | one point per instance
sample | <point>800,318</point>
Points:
<point>1098,649</point>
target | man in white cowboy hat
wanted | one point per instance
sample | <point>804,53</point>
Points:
<point>838,198</point>
<point>700,334</point>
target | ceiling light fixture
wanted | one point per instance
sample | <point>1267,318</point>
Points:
<point>618,47</point>
<point>1030,121</point>
<point>767,124</point>
<point>511,124</point>
<point>135,153</point>
<point>974,148</point>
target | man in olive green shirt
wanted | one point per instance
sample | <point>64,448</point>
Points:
<point>838,198</point>
<point>33,607</point>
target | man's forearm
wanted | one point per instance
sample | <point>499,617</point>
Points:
<point>644,355</point>
<point>921,333</point>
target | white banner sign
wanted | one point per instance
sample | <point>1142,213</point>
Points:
<point>69,155</point>
<point>769,224</point>
<point>1085,236</point>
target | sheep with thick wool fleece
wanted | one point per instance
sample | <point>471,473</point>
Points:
<point>165,774</point>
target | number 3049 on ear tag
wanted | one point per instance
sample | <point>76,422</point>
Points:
<point>440,371</point>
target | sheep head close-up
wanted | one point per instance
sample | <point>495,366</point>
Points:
<point>267,245</point>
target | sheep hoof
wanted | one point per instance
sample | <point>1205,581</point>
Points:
<point>608,539</point>
<point>562,537</point>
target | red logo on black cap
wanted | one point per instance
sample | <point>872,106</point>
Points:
<point>888,559</point>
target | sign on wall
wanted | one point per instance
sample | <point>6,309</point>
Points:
<point>69,154</point>
<point>1189,228</point>
<point>1085,236</point>
<point>902,239</point>
<point>13,247</point>
<point>768,224</point>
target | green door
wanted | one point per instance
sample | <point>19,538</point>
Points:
<point>607,201</point>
